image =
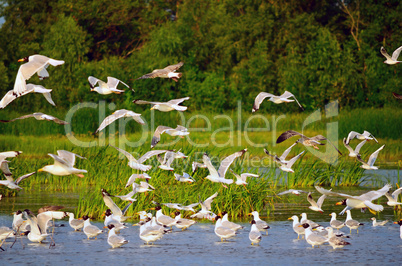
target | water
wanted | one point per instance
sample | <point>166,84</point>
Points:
<point>199,245</point>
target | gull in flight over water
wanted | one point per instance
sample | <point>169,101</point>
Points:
<point>284,98</point>
<point>4,163</point>
<point>365,136</point>
<point>391,60</point>
<point>30,88</point>
<point>167,72</point>
<point>39,116</point>
<point>360,202</point>
<point>354,152</point>
<point>241,179</point>
<point>166,106</point>
<point>63,164</point>
<point>34,64</point>
<point>393,198</point>
<point>205,211</point>
<point>13,184</point>
<point>306,141</point>
<point>316,206</point>
<point>120,114</point>
<point>178,131</point>
<point>282,158</point>
<point>370,164</point>
<point>106,88</point>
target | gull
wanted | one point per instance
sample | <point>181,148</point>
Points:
<point>106,88</point>
<point>38,116</point>
<point>128,197</point>
<point>396,95</point>
<point>166,106</point>
<point>76,224</point>
<point>30,88</point>
<point>144,215</point>
<point>391,60</point>
<point>133,177</point>
<point>352,224</point>
<point>375,223</point>
<point>282,158</point>
<point>89,229</point>
<point>189,207</point>
<point>4,163</point>
<point>275,99</point>
<point>316,206</point>
<point>370,164</point>
<point>142,187</point>
<point>293,191</point>
<point>298,230</point>
<point>149,234</point>
<point>164,219</point>
<point>362,201</point>
<point>334,240</point>
<point>34,64</point>
<point>287,167</point>
<point>365,136</point>
<point>184,178</point>
<point>63,164</point>
<point>306,141</point>
<point>39,224</point>
<point>18,222</point>
<point>254,235</point>
<point>118,214</point>
<point>114,240</point>
<point>205,211</point>
<point>335,223</point>
<point>167,160</point>
<point>183,223</point>
<point>304,220</point>
<point>167,72</point>
<point>109,219</point>
<point>117,115</point>
<point>400,227</point>
<point>137,164</point>
<point>221,231</point>
<point>196,165</point>
<point>176,206</point>
<point>312,238</point>
<point>219,176</point>
<point>178,131</point>
<point>261,225</point>
<point>229,224</point>
<point>13,184</point>
<point>355,152</point>
<point>393,198</point>
<point>241,179</point>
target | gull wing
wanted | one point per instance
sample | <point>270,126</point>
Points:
<point>396,95</point>
<point>321,137</point>
<point>396,193</point>
<point>127,154</point>
<point>375,207</point>
<point>69,156</point>
<point>45,217</point>
<point>196,165</point>
<point>293,160</point>
<point>237,176</point>
<point>112,83</point>
<point>245,175</point>
<point>21,117</point>
<point>178,101</point>
<point>155,73</point>
<point>157,135</point>
<point>320,200</point>
<point>288,134</point>
<point>373,195</point>
<point>181,128</point>
<point>211,168</point>
<point>33,222</point>
<point>311,200</point>
<point>208,201</point>
<point>173,68</point>
<point>127,206</point>
<point>92,81</point>
<point>145,102</point>
<point>368,134</point>
<point>286,152</point>
<point>359,146</point>
<point>168,159</point>
<point>7,99</point>
<point>373,156</point>
<point>259,99</point>
<point>384,53</point>
<point>350,148</point>
<point>149,154</point>
<point>50,118</point>
<point>335,194</point>
<point>352,135</point>
<point>287,94</point>
<point>19,179</point>
<point>359,158</point>
<point>110,203</point>
<point>40,89</point>
<point>228,161</point>
<point>59,161</point>
<point>273,156</point>
<point>4,168</point>
<point>396,53</point>
<point>111,118</point>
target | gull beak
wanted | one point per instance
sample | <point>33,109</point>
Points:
<point>41,170</point>
<point>300,215</point>
<point>290,218</point>
<point>152,208</point>
<point>249,214</point>
<point>153,107</point>
<point>300,226</point>
<point>21,60</point>
<point>80,219</point>
<point>338,203</point>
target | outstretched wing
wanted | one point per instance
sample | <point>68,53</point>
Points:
<point>208,201</point>
<point>286,152</point>
<point>19,179</point>
<point>293,160</point>
<point>259,99</point>
<point>384,53</point>
<point>178,101</point>
<point>113,82</point>
<point>228,161</point>
<point>321,137</point>
<point>287,94</point>
<point>69,156</point>
<point>110,119</point>
<point>173,68</point>
<point>149,154</point>
<point>157,135</point>
<point>373,156</point>
<point>92,81</point>
<point>110,203</point>
<point>207,162</point>
<point>396,53</point>
<point>288,134</point>
<point>127,154</point>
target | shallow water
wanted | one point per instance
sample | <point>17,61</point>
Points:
<point>199,245</point>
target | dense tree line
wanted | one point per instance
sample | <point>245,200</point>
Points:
<point>320,50</point>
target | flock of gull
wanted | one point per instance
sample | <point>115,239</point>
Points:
<point>154,226</point>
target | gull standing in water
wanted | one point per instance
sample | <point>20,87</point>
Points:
<point>352,224</point>
<point>298,230</point>
<point>254,235</point>
<point>120,114</point>
<point>166,106</point>
<point>365,136</point>
<point>39,116</point>
<point>335,223</point>
<point>304,220</point>
<point>167,72</point>
<point>391,60</point>
<point>334,240</point>
<point>316,206</point>
<point>312,238</point>
<point>275,99</point>
<point>306,141</point>
<point>375,223</point>
<point>370,164</point>
<point>63,164</point>
<point>229,224</point>
<point>182,223</point>
<point>106,88</point>
<point>114,240</point>
<point>241,179</point>
<point>261,225</point>
<point>89,229</point>
<point>178,131</point>
<point>76,224</point>
<point>164,219</point>
<point>13,184</point>
<point>360,202</point>
<point>393,198</point>
<point>30,88</point>
<point>400,227</point>
<point>109,219</point>
<point>221,231</point>
<point>354,152</point>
